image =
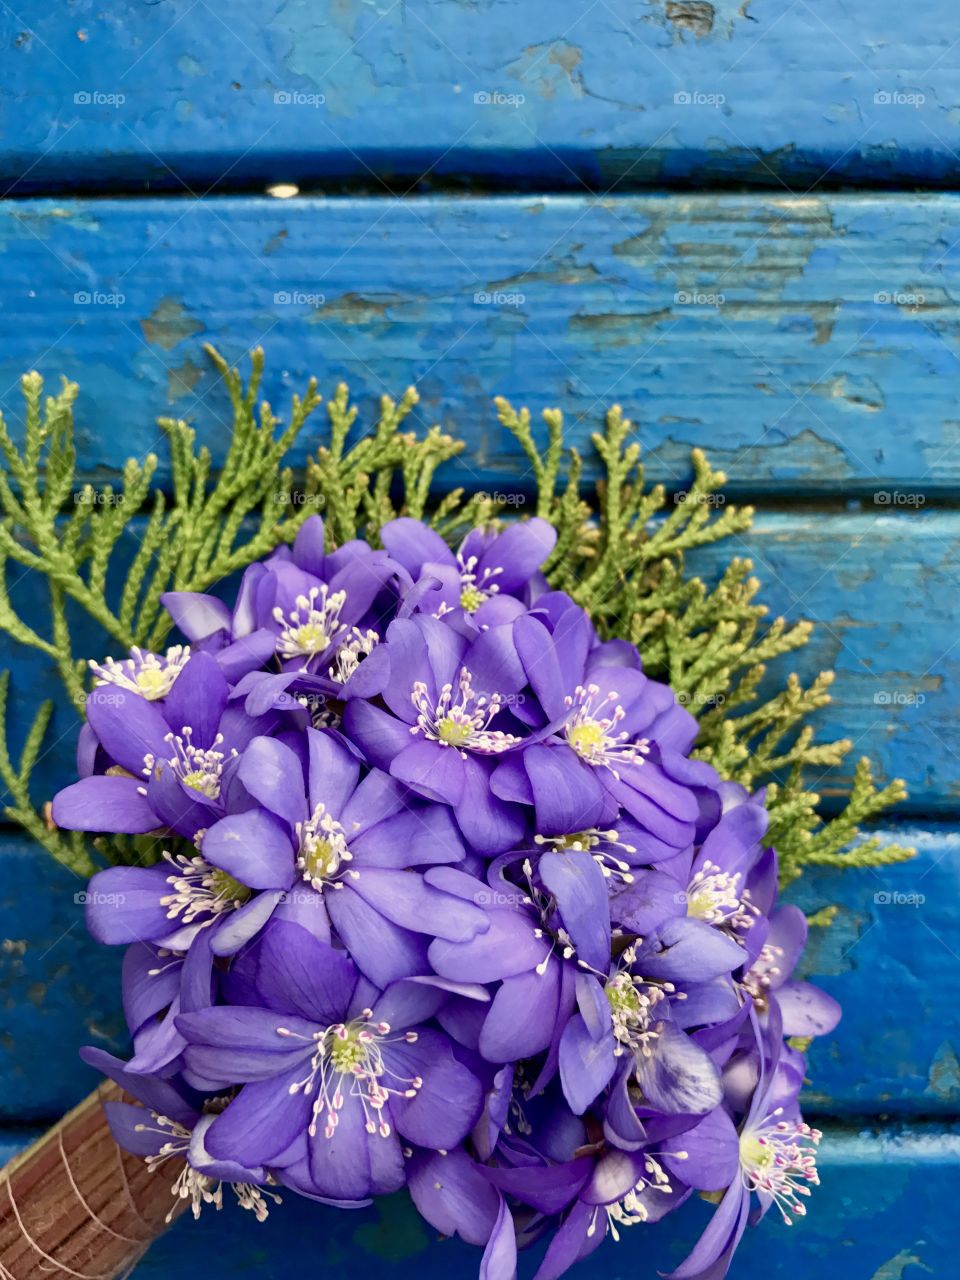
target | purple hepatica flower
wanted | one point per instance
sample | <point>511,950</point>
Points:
<point>251,861</point>
<point>621,1189</point>
<point>579,1187</point>
<point>449,717</point>
<point>772,1153</point>
<point>167,904</point>
<point>628,1017</point>
<point>170,1124</point>
<point>171,763</point>
<point>325,1057</point>
<point>299,608</point>
<point>490,580</point>
<point>695,913</point>
<point>609,739</point>
<point>350,841</point>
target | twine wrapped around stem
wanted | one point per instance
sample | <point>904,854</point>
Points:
<point>74,1205</point>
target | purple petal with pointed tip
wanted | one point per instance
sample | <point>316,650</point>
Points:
<point>577,882</point>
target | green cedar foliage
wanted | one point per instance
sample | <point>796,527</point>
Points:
<point>621,555</point>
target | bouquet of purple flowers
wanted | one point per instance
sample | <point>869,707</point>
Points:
<point>444,903</point>
<point>452,871</point>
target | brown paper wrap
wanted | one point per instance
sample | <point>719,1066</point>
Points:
<point>75,1205</point>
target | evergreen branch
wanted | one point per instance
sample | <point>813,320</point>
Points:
<point>627,568</point>
<point>66,846</point>
<point>623,558</point>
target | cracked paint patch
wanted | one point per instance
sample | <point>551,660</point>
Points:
<point>354,308</point>
<point>690,15</point>
<point>701,18</point>
<point>182,379</point>
<point>944,1079</point>
<point>550,70</point>
<point>894,1268</point>
<point>169,323</point>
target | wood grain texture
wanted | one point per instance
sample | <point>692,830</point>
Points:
<point>809,344</point>
<point>617,93</point>
<point>878,586</point>
<point>895,934</point>
<point>884,1211</point>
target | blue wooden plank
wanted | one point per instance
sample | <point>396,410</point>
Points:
<point>885,1210</point>
<point>862,576</point>
<point>898,1054</point>
<point>13,1141</point>
<point>58,989</point>
<point>891,959</point>
<point>808,344</point>
<point>618,93</point>
<point>878,588</point>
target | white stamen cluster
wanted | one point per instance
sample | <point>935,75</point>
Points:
<point>474,588</point>
<point>461,721</point>
<point>348,655</point>
<point>313,625</point>
<point>199,768</point>
<point>778,1158</point>
<point>200,1188</point>
<point>323,850</point>
<point>631,1210</point>
<point>348,1059</point>
<point>715,897</point>
<point>145,673</point>
<point>633,1003</point>
<point>198,890</point>
<point>591,730</point>
<point>763,972</point>
<point>589,842</point>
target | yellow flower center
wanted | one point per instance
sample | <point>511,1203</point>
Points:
<point>225,886</point>
<point>585,736</point>
<point>200,780</point>
<point>153,682</point>
<point>623,997</point>
<point>700,905</point>
<point>320,859</point>
<point>454,731</point>
<point>347,1054</point>
<point>471,598</point>
<point>755,1154</point>
<point>310,638</point>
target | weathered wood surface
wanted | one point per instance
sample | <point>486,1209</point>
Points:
<point>809,344</point>
<point>884,1211</point>
<point>612,94</point>
<point>879,586</point>
<point>890,958</point>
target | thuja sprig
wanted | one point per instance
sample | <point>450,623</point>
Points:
<point>621,557</point>
<point>355,486</point>
<point>76,540</point>
<point>68,847</point>
<point>72,536</point>
<point>624,561</point>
